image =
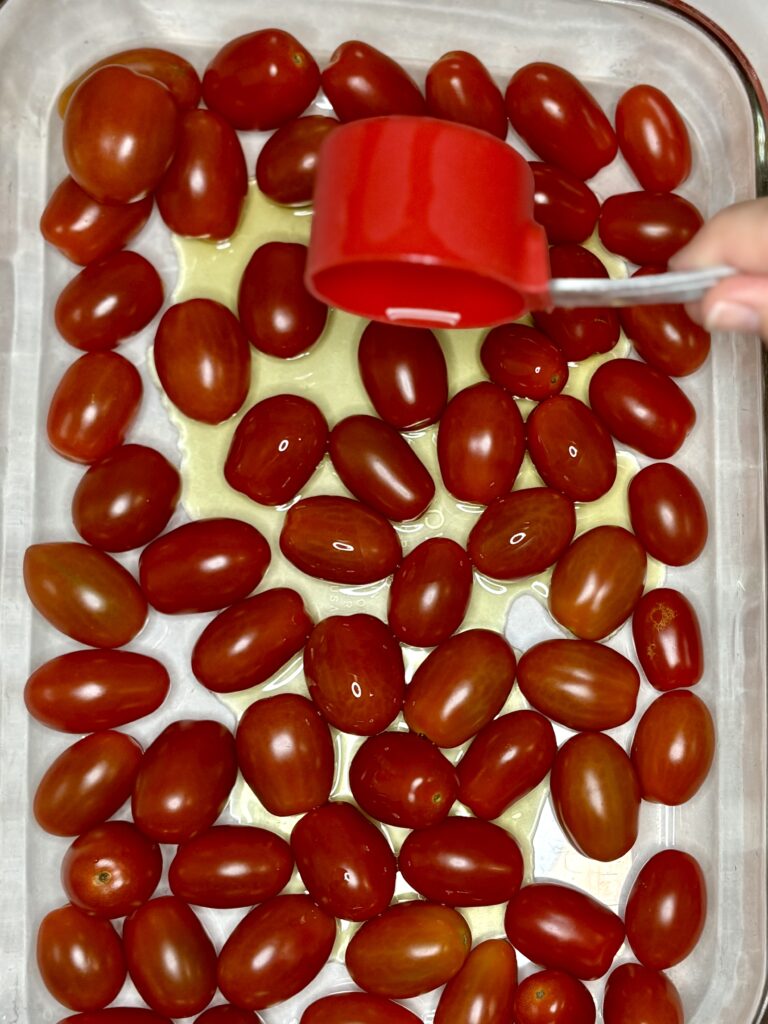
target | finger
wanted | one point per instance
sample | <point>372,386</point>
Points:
<point>737,304</point>
<point>737,236</point>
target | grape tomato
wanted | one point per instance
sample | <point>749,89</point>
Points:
<point>668,640</point>
<point>668,514</point>
<point>483,990</point>
<point>673,747</point>
<point>647,227</point>
<point>429,593</point>
<point>286,166</point>
<point>361,81</point>
<point>524,361</point>
<point>360,1007</point>
<point>653,138</point>
<point>566,208</point>
<point>460,88</point>
<point>80,958</point>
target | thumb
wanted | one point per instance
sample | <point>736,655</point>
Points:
<point>736,304</point>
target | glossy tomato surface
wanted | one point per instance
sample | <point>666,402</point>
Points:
<point>230,866</point>
<point>279,316</point>
<point>598,582</point>
<point>261,80</point>
<point>668,514</point>
<point>184,780</point>
<point>641,407</point>
<point>596,795</point>
<point>202,192</point>
<point>285,752</point>
<point>90,690</point>
<point>480,443</point>
<point>579,683</point>
<point>250,640</point>
<point>354,671</point>
<point>111,869</point>
<point>170,958</point>
<point>275,951</point>
<point>673,747</point>
<point>93,406</point>
<point>460,687</point>
<point>483,990</point>
<point>87,783</point>
<point>560,119</point>
<point>668,640</point>
<point>226,1013</point>
<point>563,929</point>
<point>653,138</point>
<point>553,997</point>
<point>340,540</point>
<point>565,207</point>
<point>413,947</point>
<point>404,373</point>
<point>636,995</point>
<point>203,359</point>
<point>118,1015</point>
<point>460,88</point>
<point>287,165</point>
<point>647,227</point>
<point>80,959</point>
<point>430,592</point>
<point>666,909</point>
<point>524,361</point>
<point>507,759</point>
<point>345,861</point>
<point>361,81</point>
<point>108,150</point>
<point>402,779</point>
<point>356,1008</point>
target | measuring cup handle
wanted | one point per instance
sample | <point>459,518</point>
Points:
<point>651,289</point>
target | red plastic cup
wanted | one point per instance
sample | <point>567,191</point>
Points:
<point>425,223</point>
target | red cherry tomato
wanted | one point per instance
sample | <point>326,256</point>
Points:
<point>402,779</point>
<point>360,1007</point>
<point>484,989</point>
<point>635,995</point>
<point>85,230</point>
<point>647,227</point>
<point>84,593</point>
<point>285,752</point>
<point>108,301</point>
<point>80,959</point>
<point>553,997</point>
<point>668,640</point>
<point>344,861</point>
<point>176,73</point>
<point>462,862</point>
<point>480,443</point>
<point>276,449</point>
<point>126,499</point>
<point>339,540</point>
<point>579,683</point>
<point>249,641</point>
<point>563,929</point>
<point>596,795</point>
<point>379,467</point>
<point>641,407</point>
<point>565,207</point>
<point>111,869</point>
<point>653,138</point>
<point>278,314</point>
<point>430,592</point>
<point>230,866</point>
<point>171,960</point>
<point>673,748</point>
<point>571,449</point>
<point>361,81</point>
<point>261,80</point>
<point>460,88</point>
<point>668,514</point>
<point>120,133</point>
<point>507,759</point>
<point>226,1013</point>
<point>354,671</point>
<point>666,909</point>
<point>202,192</point>
<point>665,336</point>
<point>413,947</point>
<point>598,582</point>
<point>93,407</point>
<point>522,534</point>
<point>203,566</point>
<point>560,119</point>
<point>184,780</point>
<point>524,361</point>
<point>275,951</point>
<point>117,1015</point>
<point>86,691</point>
<point>203,359</point>
<point>287,165</point>
<point>87,783</point>
<point>578,333</point>
<point>460,687</point>
<point>403,370</point>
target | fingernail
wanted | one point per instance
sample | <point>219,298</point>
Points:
<point>732,316</point>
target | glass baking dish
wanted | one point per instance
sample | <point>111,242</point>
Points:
<point>610,44</point>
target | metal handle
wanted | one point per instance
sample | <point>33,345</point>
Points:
<point>653,289</point>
